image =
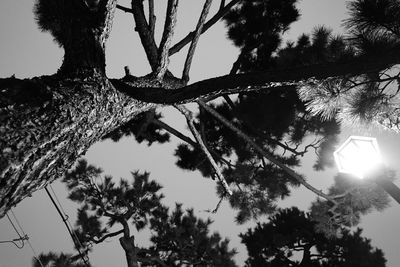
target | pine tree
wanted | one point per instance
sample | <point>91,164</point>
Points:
<point>178,238</point>
<point>47,122</point>
<point>292,231</point>
<point>57,260</point>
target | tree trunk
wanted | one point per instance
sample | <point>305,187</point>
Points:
<point>47,123</point>
<point>128,244</point>
<point>83,35</point>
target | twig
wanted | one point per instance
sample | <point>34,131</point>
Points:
<point>189,118</point>
<point>104,237</point>
<point>174,132</point>
<point>263,152</point>
<point>188,38</point>
<point>215,210</point>
<point>125,9</point>
<point>169,25</point>
<point>257,133</point>
<point>222,4</point>
<point>193,44</point>
<point>187,139</point>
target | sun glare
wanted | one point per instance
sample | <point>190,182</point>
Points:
<point>358,156</point>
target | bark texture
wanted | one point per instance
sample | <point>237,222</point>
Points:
<point>47,123</point>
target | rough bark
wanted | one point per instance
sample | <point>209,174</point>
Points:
<point>47,123</point>
<point>84,35</point>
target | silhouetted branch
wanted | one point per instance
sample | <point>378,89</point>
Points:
<point>193,44</point>
<point>145,34</point>
<point>125,9</point>
<point>169,25</point>
<point>152,18</point>
<point>175,132</point>
<point>263,152</point>
<point>222,4</point>
<point>189,118</point>
<point>188,38</point>
<point>104,237</point>
<point>187,139</point>
<point>255,81</point>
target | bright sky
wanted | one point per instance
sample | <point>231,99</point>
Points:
<point>27,52</point>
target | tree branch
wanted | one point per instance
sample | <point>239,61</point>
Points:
<point>254,81</point>
<point>189,118</point>
<point>125,9</point>
<point>152,18</point>
<point>169,26</point>
<point>104,237</point>
<point>258,134</point>
<point>188,38</point>
<point>193,44</point>
<point>263,152</point>
<point>175,132</point>
<point>187,139</point>
<point>145,33</point>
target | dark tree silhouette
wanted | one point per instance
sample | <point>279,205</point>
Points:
<point>178,238</point>
<point>57,260</point>
<point>292,231</point>
<point>277,120</point>
<point>48,122</point>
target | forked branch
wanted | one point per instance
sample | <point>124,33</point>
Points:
<point>190,121</point>
<point>188,38</point>
<point>263,152</point>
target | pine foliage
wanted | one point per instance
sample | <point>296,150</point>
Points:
<point>181,239</point>
<point>357,198</point>
<point>291,231</point>
<point>57,260</point>
<point>142,128</point>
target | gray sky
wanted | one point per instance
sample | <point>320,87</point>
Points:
<point>27,52</point>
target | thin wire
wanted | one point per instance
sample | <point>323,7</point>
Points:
<point>73,235</point>
<point>27,238</point>
<point>15,228</point>
<point>58,202</point>
<point>21,239</point>
<point>14,241</point>
<point>66,217</point>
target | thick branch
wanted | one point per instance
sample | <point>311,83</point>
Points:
<point>193,44</point>
<point>263,152</point>
<point>229,84</point>
<point>145,34</point>
<point>189,118</point>
<point>188,38</point>
<point>169,26</point>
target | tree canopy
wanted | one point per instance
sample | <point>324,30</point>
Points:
<point>291,231</point>
<point>177,238</point>
<point>275,99</point>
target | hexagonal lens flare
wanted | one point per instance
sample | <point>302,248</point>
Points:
<point>358,156</point>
